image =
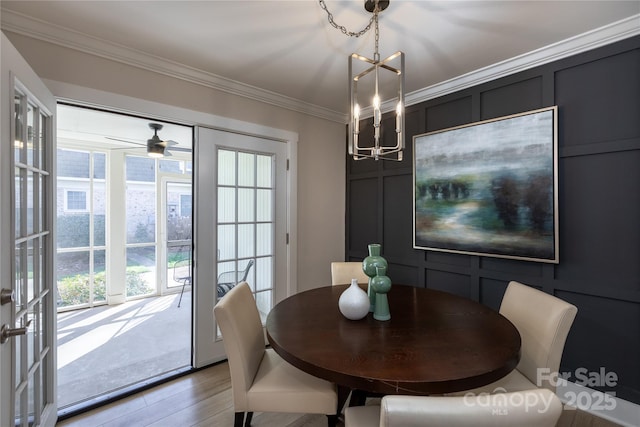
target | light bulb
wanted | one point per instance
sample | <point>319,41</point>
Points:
<point>356,118</point>
<point>376,111</point>
<point>399,117</point>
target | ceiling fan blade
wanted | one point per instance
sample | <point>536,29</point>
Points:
<point>186,150</point>
<point>126,148</point>
<point>153,141</point>
<point>173,146</point>
<point>166,143</point>
<point>128,141</point>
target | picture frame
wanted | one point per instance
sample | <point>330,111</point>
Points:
<point>489,188</point>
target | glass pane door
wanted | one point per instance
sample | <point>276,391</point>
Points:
<point>178,206</point>
<point>241,196</point>
<point>34,340</point>
<point>246,224</point>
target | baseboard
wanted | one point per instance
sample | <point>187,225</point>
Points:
<point>598,403</point>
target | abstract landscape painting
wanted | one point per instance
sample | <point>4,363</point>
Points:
<point>489,188</point>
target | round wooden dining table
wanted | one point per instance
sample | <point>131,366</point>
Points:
<point>434,343</point>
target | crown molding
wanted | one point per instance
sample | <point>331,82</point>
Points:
<point>42,30</point>
<point>45,31</point>
<point>593,39</point>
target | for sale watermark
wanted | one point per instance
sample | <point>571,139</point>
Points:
<point>581,376</point>
<point>499,401</point>
<point>584,398</point>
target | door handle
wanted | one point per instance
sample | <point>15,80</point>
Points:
<point>6,332</point>
<point>7,296</point>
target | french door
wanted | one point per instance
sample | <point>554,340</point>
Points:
<point>27,185</point>
<point>241,227</point>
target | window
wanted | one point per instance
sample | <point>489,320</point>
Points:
<point>75,201</point>
<point>81,225</point>
<point>185,205</point>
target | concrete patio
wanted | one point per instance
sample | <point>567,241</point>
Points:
<point>104,349</point>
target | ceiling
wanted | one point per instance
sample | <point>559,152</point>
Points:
<point>289,49</point>
<point>79,127</point>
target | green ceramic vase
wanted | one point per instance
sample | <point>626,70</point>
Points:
<point>381,284</point>
<point>369,265</point>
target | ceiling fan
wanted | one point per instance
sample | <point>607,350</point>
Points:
<point>156,147</point>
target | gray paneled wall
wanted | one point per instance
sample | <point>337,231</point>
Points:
<point>598,97</point>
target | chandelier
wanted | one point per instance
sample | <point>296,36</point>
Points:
<point>372,80</point>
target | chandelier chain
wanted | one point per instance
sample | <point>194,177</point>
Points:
<point>344,30</point>
<point>376,55</point>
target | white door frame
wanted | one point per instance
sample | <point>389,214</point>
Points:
<point>128,105</point>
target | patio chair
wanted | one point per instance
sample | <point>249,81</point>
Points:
<point>229,279</point>
<point>182,273</point>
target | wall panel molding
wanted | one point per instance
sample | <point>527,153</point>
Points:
<point>599,202</point>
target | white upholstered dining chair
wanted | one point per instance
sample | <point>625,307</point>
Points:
<point>530,408</point>
<point>261,380</point>
<point>343,272</point>
<point>544,322</point>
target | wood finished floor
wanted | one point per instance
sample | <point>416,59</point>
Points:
<point>203,399</point>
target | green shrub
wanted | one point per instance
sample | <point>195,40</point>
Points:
<point>136,285</point>
<point>74,290</point>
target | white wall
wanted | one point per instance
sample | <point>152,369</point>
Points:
<point>321,144</point>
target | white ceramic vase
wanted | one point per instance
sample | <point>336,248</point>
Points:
<point>354,302</point>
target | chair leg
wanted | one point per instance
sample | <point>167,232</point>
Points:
<point>247,420</point>
<point>343,395</point>
<point>358,398</point>
<point>332,420</point>
<point>239,419</point>
<point>184,283</point>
